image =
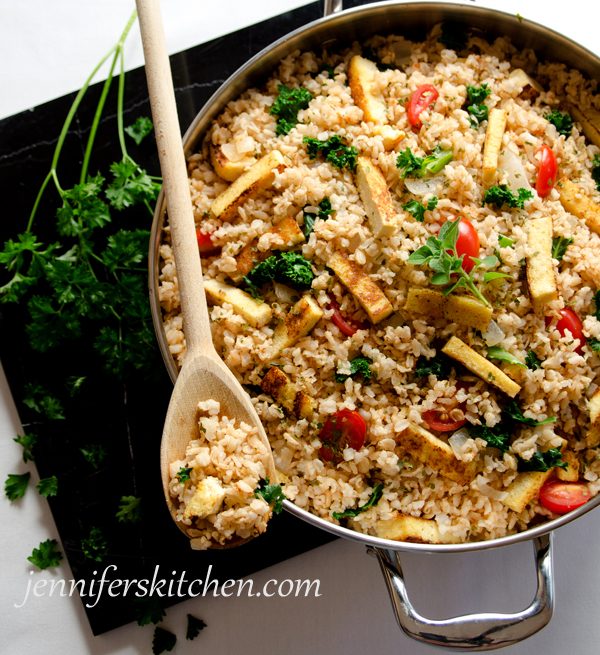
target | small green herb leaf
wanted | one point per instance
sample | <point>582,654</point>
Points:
<point>163,641</point>
<point>46,555</point>
<point>374,498</point>
<point>511,411</point>
<point>358,366</point>
<point>417,209</point>
<point>287,105</point>
<point>15,485</point>
<point>334,150</point>
<point>505,242</point>
<point>497,352</point>
<point>130,509</point>
<point>595,172</point>
<point>27,442</point>
<point>183,475</point>
<point>140,129</point>
<point>559,246</point>
<point>310,218</point>
<point>271,493</point>
<point>501,195</point>
<point>48,486</point>
<point>561,121</point>
<point>440,366</point>
<point>496,437</point>
<point>94,546</point>
<point>533,361</point>
<point>542,461</point>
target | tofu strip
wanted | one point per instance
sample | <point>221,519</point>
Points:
<point>278,385</point>
<point>299,321</point>
<point>376,197</point>
<point>574,199</point>
<point>361,76</point>
<point>459,309</point>
<point>493,144</point>
<point>409,528</point>
<point>480,366</point>
<point>541,279</point>
<point>256,312</point>
<point>361,286</point>
<point>589,118</point>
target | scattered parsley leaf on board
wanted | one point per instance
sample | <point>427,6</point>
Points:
<point>148,610</point>
<point>287,105</point>
<point>542,461</point>
<point>130,510</point>
<point>163,641</point>
<point>532,361</point>
<point>27,442</point>
<point>46,555</point>
<point>48,486</point>
<point>374,498</point>
<point>335,150</point>
<point>183,475</point>
<point>194,627</point>
<point>94,547</point>
<point>42,402</point>
<point>271,493</point>
<point>559,246</point>
<point>139,129</point>
<point>358,366</point>
<point>561,121</point>
<point>15,485</point>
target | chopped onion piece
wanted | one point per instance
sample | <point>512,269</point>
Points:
<point>489,491</point>
<point>284,293</point>
<point>493,335</point>
<point>423,186</point>
<point>458,441</point>
<point>516,177</point>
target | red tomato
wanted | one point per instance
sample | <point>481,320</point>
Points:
<point>440,421</point>
<point>547,171</point>
<point>346,326</point>
<point>344,429</point>
<point>467,243</point>
<point>205,243</point>
<point>562,497</point>
<point>420,99</point>
<point>571,322</point>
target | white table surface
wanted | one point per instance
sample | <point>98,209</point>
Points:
<point>353,615</point>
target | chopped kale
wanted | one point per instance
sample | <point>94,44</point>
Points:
<point>561,121</point>
<point>502,195</point>
<point>440,366</point>
<point>477,110</point>
<point>542,461</point>
<point>374,498</point>
<point>183,475</point>
<point>417,209</point>
<point>287,105</point>
<point>533,361</point>
<point>496,437</point>
<point>289,268</point>
<point>512,412</point>
<point>559,246</point>
<point>412,166</point>
<point>334,150</point>
<point>358,366</point>
<point>597,304</point>
<point>310,218</point>
<point>594,344</point>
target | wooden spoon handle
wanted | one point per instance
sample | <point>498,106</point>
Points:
<point>175,178</point>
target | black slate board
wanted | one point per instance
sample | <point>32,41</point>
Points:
<point>124,417</point>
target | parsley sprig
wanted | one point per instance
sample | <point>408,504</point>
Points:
<point>440,255</point>
<point>271,493</point>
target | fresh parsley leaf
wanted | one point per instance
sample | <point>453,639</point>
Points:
<point>94,454</point>
<point>594,344</point>
<point>477,110</point>
<point>94,546</point>
<point>287,105</point>
<point>596,171</point>
<point>163,641</point>
<point>497,436</point>
<point>542,461</point>
<point>334,150</point>
<point>183,475</point>
<point>140,129</point>
<point>511,411</point>
<point>559,246</point>
<point>501,195</point>
<point>289,268</point>
<point>374,498</point>
<point>440,366</point>
<point>310,218</point>
<point>125,249</point>
<point>130,510</point>
<point>532,361</point>
<point>497,352</point>
<point>148,610</point>
<point>15,485</point>
<point>271,493</point>
<point>27,442</point>
<point>505,242</point>
<point>194,627</point>
<point>417,209</point>
<point>48,486</point>
<point>83,210</point>
<point>412,166</point>
<point>477,94</point>
<point>358,366</point>
<point>38,399</point>
<point>561,121</point>
<point>46,555</point>
<point>130,185</point>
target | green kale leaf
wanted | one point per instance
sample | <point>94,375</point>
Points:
<point>542,461</point>
<point>561,121</point>
<point>496,437</point>
<point>310,218</point>
<point>512,412</point>
<point>374,498</point>
<point>501,195</point>
<point>358,366</point>
<point>334,150</point>
<point>287,105</point>
<point>440,366</point>
<point>559,246</point>
<point>289,268</point>
<point>533,361</point>
<point>417,209</point>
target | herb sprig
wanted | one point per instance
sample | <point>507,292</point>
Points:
<point>358,366</point>
<point>310,217</point>
<point>476,108</point>
<point>287,105</point>
<point>501,195</point>
<point>335,150</point>
<point>417,209</point>
<point>374,498</point>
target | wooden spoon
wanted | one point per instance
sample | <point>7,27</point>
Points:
<point>204,375</point>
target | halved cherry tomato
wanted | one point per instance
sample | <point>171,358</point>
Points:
<point>346,326</point>
<point>467,243</point>
<point>344,429</point>
<point>562,497</point>
<point>205,243</point>
<point>547,171</point>
<point>420,99</point>
<point>440,421</point>
<point>569,321</point>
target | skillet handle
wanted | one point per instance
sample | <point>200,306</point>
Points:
<point>474,632</point>
<point>332,7</point>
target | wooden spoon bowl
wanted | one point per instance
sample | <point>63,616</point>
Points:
<point>204,375</point>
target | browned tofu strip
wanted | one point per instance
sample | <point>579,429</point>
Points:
<point>571,473</point>
<point>541,280</point>
<point>376,197</point>
<point>589,118</point>
<point>278,385</point>
<point>225,168</point>
<point>291,235</point>
<point>248,185</point>
<point>361,286</point>
<point>460,309</point>
<point>525,488</point>
<point>361,75</point>
<point>574,199</point>
<point>299,321</point>
<point>409,528</point>
<point>435,453</point>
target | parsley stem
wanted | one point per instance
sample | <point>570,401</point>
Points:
<point>120,96</point>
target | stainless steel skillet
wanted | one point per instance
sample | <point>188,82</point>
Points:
<point>335,30</point>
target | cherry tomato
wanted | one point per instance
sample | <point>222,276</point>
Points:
<point>345,325</point>
<point>421,98</point>
<point>467,244</point>
<point>571,322</point>
<point>344,429</point>
<point>562,497</point>
<point>205,243</point>
<point>547,171</point>
<point>440,421</point>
